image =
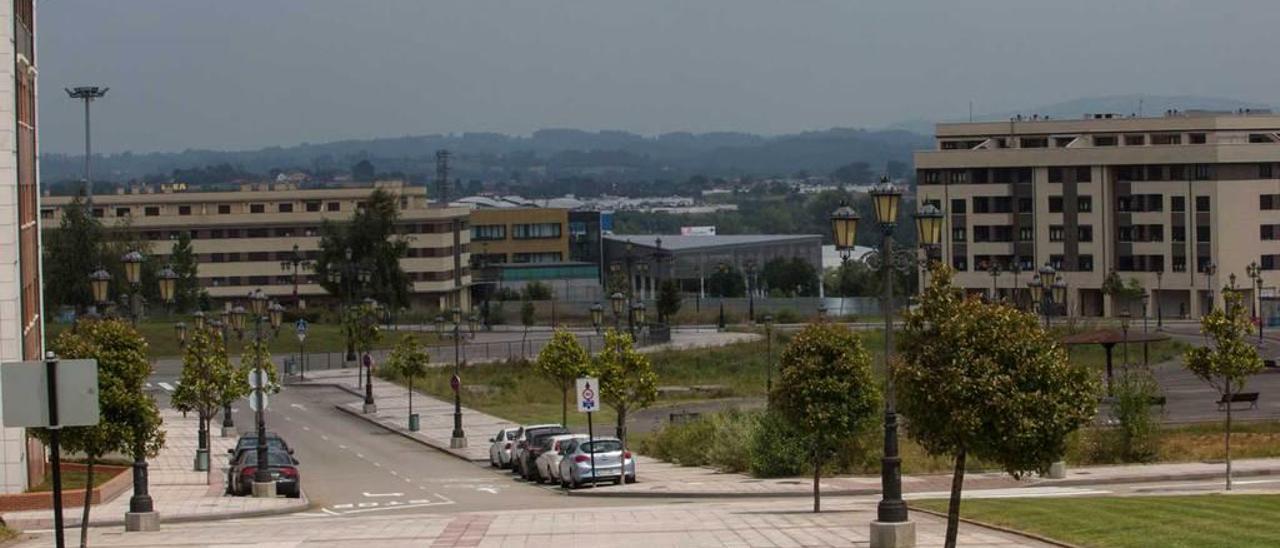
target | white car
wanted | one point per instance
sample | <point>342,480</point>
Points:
<point>500,447</point>
<point>548,462</point>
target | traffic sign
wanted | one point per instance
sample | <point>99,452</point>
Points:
<point>257,378</point>
<point>367,360</point>
<point>301,329</point>
<point>253,399</point>
<point>26,393</point>
<point>455,382</point>
<point>588,393</point>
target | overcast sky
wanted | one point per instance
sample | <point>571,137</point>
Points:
<point>236,74</point>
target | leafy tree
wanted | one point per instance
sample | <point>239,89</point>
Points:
<point>986,380</point>
<point>527,319</point>
<point>562,361</point>
<point>207,381</point>
<point>408,361</point>
<point>791,277</point>
<point>182,260</point>
<point>1230,361</point>
<point>360,322</point>
<point>1120,291</point>
<point>129,420</point>
<point>668,299</point>
<point>363,171</point>
<point>536,291</point>
<point>71,252</point>
<point>375,245</point>
<point>826,392</point>
<point>627,380</point>
<point>726,283</point>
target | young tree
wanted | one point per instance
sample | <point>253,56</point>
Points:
<point>129,419</point>
<point>627,380</point>
<point>826,392</point>
<point>374,243</point>
<point>182,259</point>
<point>668,300</point>
<point>71,252</point>
<point>986,380</point>
<point>207,380</point>
<point>726,283</point>
<point>1230,361</point>
<point>527,318</point>
<point>408,361</point>
<point>562,361</point>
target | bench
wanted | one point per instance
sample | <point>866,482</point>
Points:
<point>1242,397</point>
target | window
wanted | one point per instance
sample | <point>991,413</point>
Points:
<point>258,233</point>
<point>958,234</point>
<point>488,232</point>
<point>1002,233</point>
<point>1026,234</point>
<point>1202,204</point>
<point>286,232</point>
<point>1177,203</point>
<point>1025,205</point>
<point>980,176</point>
<point>217,258</point>
<point>1055,233</point>
<point>47,213</point>
<point>1270,262</point>
<point>312,206</point>
<point>1166,139</point>
<point>1035,142</point>
<point>1124,233</point>
<point>1179,233</point>
<point>958,176</point>
<point>224,209</point>
<point>1055,261</point>
<point>958,206</point>
<point>333,206</point>
<point>1084,263</point>
<point>1084,233</point>
<point>151,211</point>
<point>1177,173</point>
<point>1002,204</point>
<point>1055,204</point>
<point>1135,140</point>
<point>981,204</point>
<point>1196,139</point>
<point>1179,263</point>
<point>1084,175</point>
<point>1202,234</point>
<point>547,257</point>
<point>1269,201</point>
<point>284,208</point>
<point>121,212</point>
<point>233,233</point>
<point>535,230</point>
<point>184,210</point>
<point>1203,172</point>
<point>1084,204</point>
<point>259,256</point>
<point>1155,173</point>
<point>1055,175</point>
<point>257,208</point>
<point>1265,171</point>
<point>97,212</point>
<point>1104,141</point>
<point>1269,232</point>
<point>932,177</point>
<point>981,233</point>
<point>960,264</point>
<point>216,233</point>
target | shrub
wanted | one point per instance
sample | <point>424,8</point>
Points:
<point>775,449</point>
<point>787,315</point>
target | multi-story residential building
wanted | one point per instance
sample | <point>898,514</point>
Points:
<point>243,238</point>
<point>1182,203</point>
<point>20,303</point>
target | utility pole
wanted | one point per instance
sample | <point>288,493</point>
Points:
<point>87,94</point>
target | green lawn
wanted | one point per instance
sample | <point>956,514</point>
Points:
<point>74,479</point>
<point>163,341</point>
<point>1202,521</point>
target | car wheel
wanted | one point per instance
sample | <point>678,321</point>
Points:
<point>617,481</point>
<point>631,479</point>
<point>296,493</point>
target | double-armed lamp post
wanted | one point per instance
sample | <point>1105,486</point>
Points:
<point>892,526</point>
<point>1047,290</point>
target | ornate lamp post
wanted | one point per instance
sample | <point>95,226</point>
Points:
<point>263,485</point>
<point>133,274</point>
<point>141,515</point>
<point>168,285</point>
<point>1060,294</point>
<point>368,317</point>
<point>1037,295</point>
<point>929,231</point>
<point>636,318</point>
<point>844,231</point>
<point>458,439</point>
<point>1209,270</point>
<point>994,271</point>
<point>472,321</point>
<point>616,301</point>
<point>295,263</point>
<point>597,315</point>
<point>100,283</point>
<point>1254,271</point>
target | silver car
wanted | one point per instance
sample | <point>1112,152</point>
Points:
<point>611,463</point>
<point>500,447</point>
<point>548,462</point>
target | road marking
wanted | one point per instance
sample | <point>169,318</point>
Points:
<point>373,495</point>
<point>340,446</point>
<point>489,490</point>
<point>359,455</point>
<point>394,473</point>
<point>378,464</point>
<point>306,428</point>
<point>166,386</point>
<point>330,512</point>
<point>298,406</point>
<point>324,437</point>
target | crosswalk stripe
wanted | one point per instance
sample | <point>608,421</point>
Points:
<point>166,386</point>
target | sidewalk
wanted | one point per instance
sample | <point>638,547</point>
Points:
<point>179,493</point>
<point>665,480</point>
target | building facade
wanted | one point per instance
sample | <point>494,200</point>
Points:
<point>1183,204</point>
<point>20,302</point>
<point>244,239</point>
<point>692,259</point>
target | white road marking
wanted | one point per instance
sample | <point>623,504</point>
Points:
<point>324,437</point>
<point>166,386</point>
<point>359,455</point>
<point>394,473</point>
<point>340,446</point>
<point>305,428</point>
<point>330,512</point>
<point>372,495</point>
<point>489,490</point>
<point>378,464</point>
<point>298,406</point>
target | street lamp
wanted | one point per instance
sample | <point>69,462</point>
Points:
<point>180,329</point>
<point>1254,272</point>
<point>844,231</point>
<point>994,271</point>
<point>929,231</point>
<point>472,321</point>
<point>458,439</point>
<point>597,315</point>
<point>616,301</point>
<point>1209,270</point>
<point>1159,304</point>
<point>168,284</point>
<point>263,485</point>
<point>133,274</point>
<point>275,311</point>
<point>100,282</point>
<point>367,320</point>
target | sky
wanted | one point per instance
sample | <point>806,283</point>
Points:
<point>244,74</point>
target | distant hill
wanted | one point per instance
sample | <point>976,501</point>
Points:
<point>546,154</point>
<point>1151,105</point>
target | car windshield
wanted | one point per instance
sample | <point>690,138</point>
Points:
<point>511,435</point>
<point>276,458</point>
<point>603,446</point>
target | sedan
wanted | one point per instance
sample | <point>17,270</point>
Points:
<point>500,447</point>
<point>283,468</point>
<point>548,463</point>
<point>611,463</point>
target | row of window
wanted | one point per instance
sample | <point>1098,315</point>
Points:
<point>522,231</point>
<point>1084,263</point>
<point>1084,233</point>
<point>984,263</point>
<point>1136,203</point>
<point>285,231</point>
<point>1084,174</point>
<point>258,281</point>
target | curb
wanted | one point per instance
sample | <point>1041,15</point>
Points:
<point>407,435</point>
<point>994,527</point>
<point>1161,478</point>
<point>303,504</point>
<point>720,495</point>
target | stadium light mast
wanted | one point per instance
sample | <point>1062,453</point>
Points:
<point>87,94</point>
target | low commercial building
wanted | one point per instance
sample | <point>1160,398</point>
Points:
<point>692,259</point>
<point>243,239</point>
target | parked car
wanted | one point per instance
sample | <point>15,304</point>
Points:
<point>250,441</point>
<point>283,468</point>
<point>548,463</point>
<point>611,462</point>
<point>500,447</point>
<point>522,441</point>
<point>534,449</point>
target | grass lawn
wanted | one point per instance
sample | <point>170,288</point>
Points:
<point>163,342</point>
<point>1200,520</point>
<point>74,478</point>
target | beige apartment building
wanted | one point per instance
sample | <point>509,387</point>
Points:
<point>243,239</point>
<point>1181,203</point>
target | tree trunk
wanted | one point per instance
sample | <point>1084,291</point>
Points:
<point>88,488</point>
<point>817,480</point>
<point>622,426</point>
<point>564,406</point>
<point>953,509</point>
<point>1228,436</point>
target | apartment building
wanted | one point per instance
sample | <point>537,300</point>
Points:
<point>243,239</point>
<point>1183,203</point>
<point>20,304</point>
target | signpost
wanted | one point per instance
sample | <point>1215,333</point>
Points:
<point>258,396</point>
<point>588,393</point>
<point>62,393</point>
<point>301,329</point>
